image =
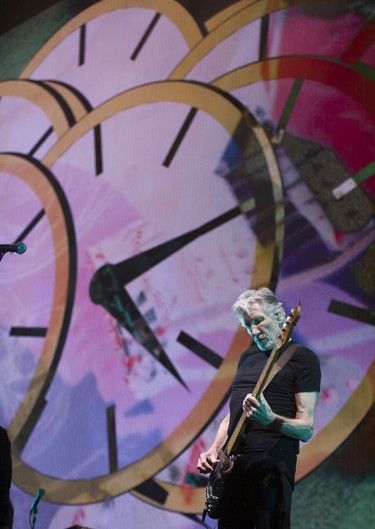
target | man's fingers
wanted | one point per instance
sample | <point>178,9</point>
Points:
<point>206,463</point>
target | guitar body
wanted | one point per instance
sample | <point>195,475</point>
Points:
<point>215,501</point>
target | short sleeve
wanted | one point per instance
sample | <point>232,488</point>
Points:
<point>307,371</point>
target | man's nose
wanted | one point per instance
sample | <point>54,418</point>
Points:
<point>254,330</point>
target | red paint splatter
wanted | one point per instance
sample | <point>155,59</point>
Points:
<point>328,394</point>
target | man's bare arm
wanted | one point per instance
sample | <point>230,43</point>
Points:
<point>301,427</point>
<point>207,460</point>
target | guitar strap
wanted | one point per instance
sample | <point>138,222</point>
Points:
<point>281,361</point>
<point>277,366</point>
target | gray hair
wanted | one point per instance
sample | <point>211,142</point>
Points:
<point>264,297</point>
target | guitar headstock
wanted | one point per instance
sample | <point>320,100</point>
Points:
<point>290,323</point>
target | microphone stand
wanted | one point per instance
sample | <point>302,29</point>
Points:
<point>34,508</point>
<point>32,519</point>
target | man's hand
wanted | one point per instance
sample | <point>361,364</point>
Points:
<point>258,410</point>
<point>300,427</point>
<point>207,462</point>
<point>209,459</point>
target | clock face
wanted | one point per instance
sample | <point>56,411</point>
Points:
<point>157,342</point>
<point>149,197</point>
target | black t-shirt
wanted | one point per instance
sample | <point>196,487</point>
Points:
<point>300,374</point>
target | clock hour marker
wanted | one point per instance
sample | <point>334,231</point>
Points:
<point>143,40</point>
<point>200,349</point>
<point>263,38</point>
<point>37,332</point>
<point>352,183</point>
<point>180,136</point>
<point>98,150</point>
<point>82,45</point>
<point>31,225</point>
<point>351,311</point>
<point>111,437</point>
<point>40,142</point>
<point>153,491</point>
<point>287,111</point>
<point>23,437</point>
<point>292,98</point>
<point>196,519</point>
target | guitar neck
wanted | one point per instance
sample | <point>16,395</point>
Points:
<point>240,426</point>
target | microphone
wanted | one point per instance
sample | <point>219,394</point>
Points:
<point>18,247</point>
<point>37,499</point>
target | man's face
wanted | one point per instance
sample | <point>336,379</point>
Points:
<point>263,328</point>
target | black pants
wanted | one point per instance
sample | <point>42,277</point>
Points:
<point>258,493</point>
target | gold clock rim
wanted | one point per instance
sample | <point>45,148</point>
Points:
<point>33,176</point>
<point>218,32</point>
<point>36,93</point>
<point>174,11</point>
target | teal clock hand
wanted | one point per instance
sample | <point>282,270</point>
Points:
<point>106,290</point>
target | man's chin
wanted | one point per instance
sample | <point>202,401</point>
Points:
<point>264,345</point>
<point>261,345</point>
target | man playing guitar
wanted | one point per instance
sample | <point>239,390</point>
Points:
<point>258,489</point>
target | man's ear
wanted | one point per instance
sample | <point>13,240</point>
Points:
<point>279,318</point>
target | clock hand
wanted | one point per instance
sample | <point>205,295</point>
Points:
<point>107,284</point>
<point>106,290</point>
<point>137,265</point>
